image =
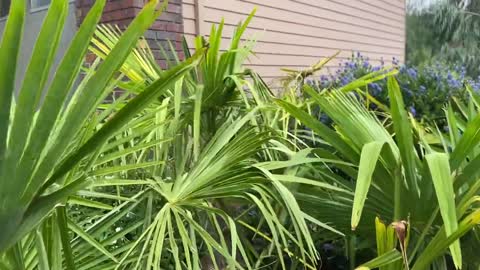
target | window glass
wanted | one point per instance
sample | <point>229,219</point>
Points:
<point>40,3</point>
<point>4,7</point>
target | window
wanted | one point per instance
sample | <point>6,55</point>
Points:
<point>40,3</point>
<point>4,7</point>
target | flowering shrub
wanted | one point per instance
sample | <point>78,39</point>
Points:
<point>425,89</point>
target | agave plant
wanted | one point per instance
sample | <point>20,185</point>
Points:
<point>424,187</point>
<point>44,141</point>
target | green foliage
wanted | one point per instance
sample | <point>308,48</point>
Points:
<point>425,89</point>
<point>446,31</point>
<point>397,182</point>
<point>200,167</point>
<point>163,175</point>
<point>47,145</point>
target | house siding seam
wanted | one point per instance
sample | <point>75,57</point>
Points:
<point>297,33</point>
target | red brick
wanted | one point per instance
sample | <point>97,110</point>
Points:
<point>181,55</point>
<point>169,26</point>
<point>174,28</point>
<point>177,9</point>
<point>159,25</point>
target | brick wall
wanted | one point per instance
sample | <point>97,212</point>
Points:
<point>169,26</point>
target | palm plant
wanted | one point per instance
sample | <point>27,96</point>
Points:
<point>399,170</point>
<point>176,186</point>
<point>42,141</point>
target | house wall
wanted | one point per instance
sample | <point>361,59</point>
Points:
<point>33,23</point>
<point>167,27</point>
<point>289,33</point>
<point>297,33</point>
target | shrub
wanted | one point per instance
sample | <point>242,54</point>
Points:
<point>425,89</point>
<point>406,175</point>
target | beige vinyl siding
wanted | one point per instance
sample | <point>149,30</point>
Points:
<point>189,21</point>
<point>297,33</point>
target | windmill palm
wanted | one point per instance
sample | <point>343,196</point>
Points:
<point>172,185</point>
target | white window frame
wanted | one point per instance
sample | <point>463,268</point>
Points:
<point>34,8</point>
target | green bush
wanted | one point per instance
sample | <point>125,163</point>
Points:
<point>425,89</point>
<point>200,166</point>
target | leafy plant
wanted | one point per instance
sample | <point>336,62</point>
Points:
<point>191,181</point>
<point>444,31</point>
<point>399,170</point>
<point>42,141</point>
<point>425,89</point>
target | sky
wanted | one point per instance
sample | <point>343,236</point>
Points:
<point>421,4</point>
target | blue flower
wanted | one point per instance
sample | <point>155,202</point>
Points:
<point>344,81</point>
<point>449,76</point>
<point>413,111</point>
<point>423,89</point>
<point>375,88</point>
<point>412,72</point>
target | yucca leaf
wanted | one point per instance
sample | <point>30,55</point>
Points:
<point>441,242</point>
<point>440,171</point>
<point>470,139</point>
<point>381,235</point>
<point>452,126</point>
<point>61,85</point>
<point>368,161</point>
<point>34,81</point>
<point>124,115</point>
<point>469,173</point>
<point>403,133</point>
<point>38,211</point>
<point>9,51</point>
<point>84,104</point>
<point>320,129</point>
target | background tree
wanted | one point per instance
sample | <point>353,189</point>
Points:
<point>444,31</point>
